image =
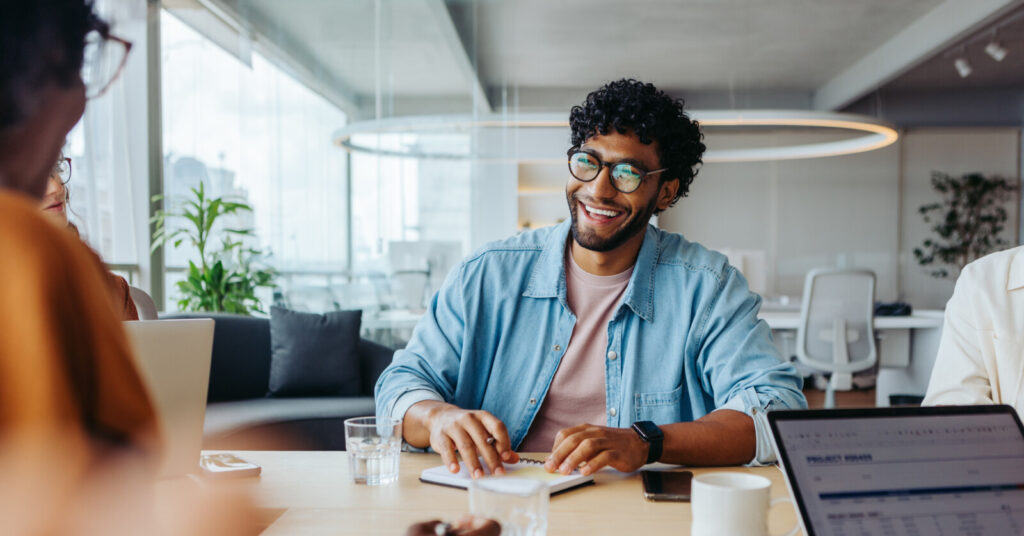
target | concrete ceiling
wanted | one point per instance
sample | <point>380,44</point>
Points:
<point>398,47</point>
<point>937,72</point>
<point>445,56</point>
<point>684,45</point>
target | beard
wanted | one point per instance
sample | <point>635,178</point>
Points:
<point>588,239</point>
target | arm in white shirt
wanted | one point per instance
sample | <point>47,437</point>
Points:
<point>959,375</point>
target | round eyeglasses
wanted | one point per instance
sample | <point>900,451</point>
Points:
<point>63,170</point>
<point>625,177</point>
<point>104,59</point>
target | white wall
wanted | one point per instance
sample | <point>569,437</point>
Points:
<point>994,151</point>
<point>803,213</point>
<point>857,210</point>
<point>847,210</point>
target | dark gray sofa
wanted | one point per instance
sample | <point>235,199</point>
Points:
<point>240,416</point>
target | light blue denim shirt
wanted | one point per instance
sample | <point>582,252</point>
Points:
<point>684,342</point>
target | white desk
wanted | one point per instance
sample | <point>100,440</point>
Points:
<point>906,348</point>
<point>924,319</point>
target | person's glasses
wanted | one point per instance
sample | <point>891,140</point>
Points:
<point>63,170</point>
<point>104,59</point>
<point>625,177</point>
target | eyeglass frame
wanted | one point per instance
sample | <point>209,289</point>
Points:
<point>611,168</point>
<point>57,171</point>
<point>104,32</point>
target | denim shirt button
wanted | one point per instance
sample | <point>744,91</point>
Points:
<point>612,356</point>
<point>612,412</point>
<point>557,348</point>
<point>533,401</point>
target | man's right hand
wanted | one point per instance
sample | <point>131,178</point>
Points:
<point>474,434</point>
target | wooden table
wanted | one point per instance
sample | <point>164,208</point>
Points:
<point>312,494</point>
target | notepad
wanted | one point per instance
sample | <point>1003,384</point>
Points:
<point>525,468</point>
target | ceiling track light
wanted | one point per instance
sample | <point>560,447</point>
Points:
<point>995,50</point>
<point>963,67</point>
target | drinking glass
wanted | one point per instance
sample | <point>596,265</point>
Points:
<point>373,445</point>
<point>519,504</point>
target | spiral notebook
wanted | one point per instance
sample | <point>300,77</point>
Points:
<point>525,468</point>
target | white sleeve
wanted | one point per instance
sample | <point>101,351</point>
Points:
<point>959,375</point>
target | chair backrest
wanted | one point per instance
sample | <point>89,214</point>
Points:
<point>143,303</point>
<point>836,331</point>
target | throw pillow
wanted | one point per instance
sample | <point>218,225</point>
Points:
<point>314,354</point>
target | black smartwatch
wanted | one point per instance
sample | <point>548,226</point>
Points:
<point>649,432</point>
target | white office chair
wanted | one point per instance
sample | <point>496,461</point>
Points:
<point>143,303</point>
<point>836,332</point>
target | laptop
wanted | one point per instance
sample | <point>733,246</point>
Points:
<point>173,357</point>
<point>946,470</point>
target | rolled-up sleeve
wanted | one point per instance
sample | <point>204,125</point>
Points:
<point>427,369</point>
<point>408,399</point>
<point>741,366</point>
<point>756,407</point>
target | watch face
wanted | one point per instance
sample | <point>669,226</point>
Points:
<point>648,430</point>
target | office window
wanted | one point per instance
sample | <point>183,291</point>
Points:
<point>263,99</point>
<point>108,185</point>
<point>250,130</point>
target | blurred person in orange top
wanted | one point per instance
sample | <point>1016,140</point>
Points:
<point>56,203</point>
<point>78,434</point>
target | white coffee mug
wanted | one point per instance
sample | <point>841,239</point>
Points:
<point>732,503</point>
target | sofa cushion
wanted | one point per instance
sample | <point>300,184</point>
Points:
<point>373,359</point>
<point>314,354</point>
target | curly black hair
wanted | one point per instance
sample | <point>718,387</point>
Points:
<point>41,41</point>
<point>629,104</point>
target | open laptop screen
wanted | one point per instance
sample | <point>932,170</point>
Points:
<point>914,471</point>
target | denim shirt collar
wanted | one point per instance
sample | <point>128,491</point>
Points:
<point>547,280</point>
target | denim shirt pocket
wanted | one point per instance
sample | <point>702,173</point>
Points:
<point>662,408</point>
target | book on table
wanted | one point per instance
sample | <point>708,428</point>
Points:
<point>524,468</point>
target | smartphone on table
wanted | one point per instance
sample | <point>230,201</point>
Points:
<point>224,464</point>
<point>667,485</point>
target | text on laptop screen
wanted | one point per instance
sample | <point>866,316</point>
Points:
<point>914,475</point>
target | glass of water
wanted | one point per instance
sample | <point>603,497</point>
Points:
<point>373,445</point>
<point>519,504</point>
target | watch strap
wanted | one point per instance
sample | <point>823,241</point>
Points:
<point>653,436</point>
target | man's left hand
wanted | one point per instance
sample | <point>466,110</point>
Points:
<point>590,447</point>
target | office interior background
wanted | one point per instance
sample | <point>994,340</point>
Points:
<point>379,141</point>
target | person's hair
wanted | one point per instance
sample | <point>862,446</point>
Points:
<point>41,42</point>
<point>630,105</point>
<point>67,201</point>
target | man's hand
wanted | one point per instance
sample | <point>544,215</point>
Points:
<point>592,447</point>
<point>472,433</point>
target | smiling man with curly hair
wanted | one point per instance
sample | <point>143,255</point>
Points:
<point>604,340</point>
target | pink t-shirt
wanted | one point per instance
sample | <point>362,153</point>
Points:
<point>577,392</point>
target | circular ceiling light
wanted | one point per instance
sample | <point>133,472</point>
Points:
<point>869,133</point>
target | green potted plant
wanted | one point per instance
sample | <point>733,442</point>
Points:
<point>967,221</point>
<point>227,274</point>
